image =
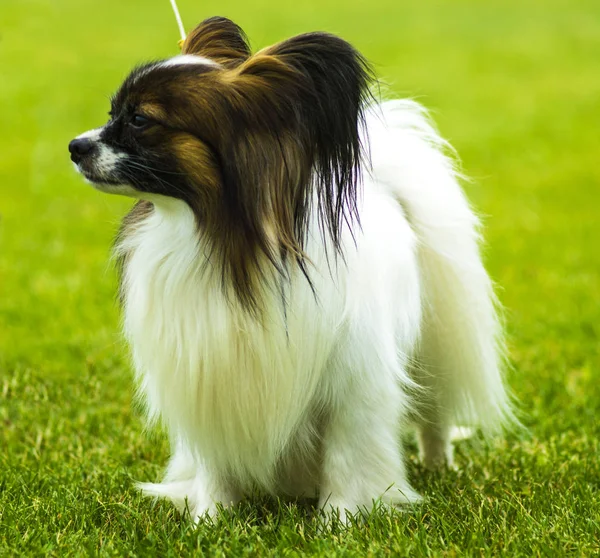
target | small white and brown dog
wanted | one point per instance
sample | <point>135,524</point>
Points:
<point>301,277</point>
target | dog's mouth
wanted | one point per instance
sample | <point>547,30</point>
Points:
<point>103,183</point>
<point>89,171</point>
<point>99,165</point>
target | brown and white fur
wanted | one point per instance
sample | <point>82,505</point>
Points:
<point>301,276</point>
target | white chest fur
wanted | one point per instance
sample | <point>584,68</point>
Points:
<point>234,389</point>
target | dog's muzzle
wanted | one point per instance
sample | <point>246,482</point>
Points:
<point>79,148</point>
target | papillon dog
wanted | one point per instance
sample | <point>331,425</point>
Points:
<point>301,278</point>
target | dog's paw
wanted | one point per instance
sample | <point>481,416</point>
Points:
<point>436,451</point>
<point>190,497</point>
<point>439,459</point>
<point>346,511</point>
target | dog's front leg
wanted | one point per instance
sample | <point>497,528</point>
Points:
<point>362,458</point>
<point>192,486</point>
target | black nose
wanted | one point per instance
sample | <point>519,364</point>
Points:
<point>80,147</point>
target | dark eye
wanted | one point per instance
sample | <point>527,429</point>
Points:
<point>139,121</point>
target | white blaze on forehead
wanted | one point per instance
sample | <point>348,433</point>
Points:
<point>93,135</point>
<point>180,60</point>
<point>185,59</point>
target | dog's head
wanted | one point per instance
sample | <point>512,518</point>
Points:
<point>247,141</point>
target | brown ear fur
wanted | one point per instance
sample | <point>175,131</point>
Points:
<point>218,39</point>
<point>298,110</point>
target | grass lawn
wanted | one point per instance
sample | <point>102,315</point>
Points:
<point>514,84</point>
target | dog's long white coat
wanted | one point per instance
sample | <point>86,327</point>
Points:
<point>312,401</point>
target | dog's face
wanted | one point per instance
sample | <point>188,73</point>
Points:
<point>159,136</point>
<point>246,141</point>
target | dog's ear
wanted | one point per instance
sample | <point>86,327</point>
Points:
<point>314,88</point>
<point>219,39</point>
<point>298,109</point>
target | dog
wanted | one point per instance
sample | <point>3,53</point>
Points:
<point>301,277</point>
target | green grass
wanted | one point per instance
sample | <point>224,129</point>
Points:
<point>514,84</point>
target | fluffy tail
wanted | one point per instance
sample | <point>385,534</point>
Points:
<point>461,354</point>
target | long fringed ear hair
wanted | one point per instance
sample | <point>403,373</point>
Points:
<point>290,145</point>
<point>218,39</point>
